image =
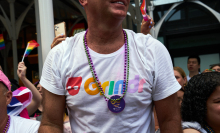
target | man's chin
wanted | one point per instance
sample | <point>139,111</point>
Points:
<point>119,15</point>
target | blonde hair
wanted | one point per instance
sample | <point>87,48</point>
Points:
<point>181,72</point>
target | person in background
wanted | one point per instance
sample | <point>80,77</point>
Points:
<point>180,76</point>
<point>37,115</point>
<point>37,98</point>
<point>57,40</point>
<point>215,67</point>
<point>12,124</point>
<point>193,65</point>
<point>14,83</point>
<point>146,26</point>
<point>201,104</point>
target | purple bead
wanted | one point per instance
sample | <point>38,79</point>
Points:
<point>93,67</point>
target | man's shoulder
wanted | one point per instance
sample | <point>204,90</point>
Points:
<point>140,38</point>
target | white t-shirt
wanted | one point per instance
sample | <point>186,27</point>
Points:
<point>188,78</point>
<point>193,125</point>
<point>22,125</point>
<point>66,72</point>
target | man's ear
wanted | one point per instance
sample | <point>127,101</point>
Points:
<point>8,97</point>
<point>83,2</point>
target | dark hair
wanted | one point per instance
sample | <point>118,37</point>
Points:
<point>213,65</point>
<point>195,56</point>
<point>197,92</point>
<point>36,83</point>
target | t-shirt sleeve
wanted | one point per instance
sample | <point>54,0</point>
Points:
<point>193,125</point>
<point>165,83</point>
<point>51,75</point>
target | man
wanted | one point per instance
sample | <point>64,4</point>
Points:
<point>12,124</point>
<point>95,77</point>
<point>193,66</point>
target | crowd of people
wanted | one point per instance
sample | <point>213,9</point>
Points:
<point>72,94</point>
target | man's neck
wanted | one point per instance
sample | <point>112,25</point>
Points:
<point>191,74</point>
<point>3,121</point>
<point>104,36</point>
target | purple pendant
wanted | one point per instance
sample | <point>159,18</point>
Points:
<point>116,106</point>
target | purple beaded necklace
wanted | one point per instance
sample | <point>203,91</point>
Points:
<point>7,125</point>
<point>114,99</point>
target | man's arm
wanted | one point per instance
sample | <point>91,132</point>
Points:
<point>168,114</point>
<point>53,111</point>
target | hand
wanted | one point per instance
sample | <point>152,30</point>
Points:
<point>147,25</point>
<point>207,70</point>
<point>57,40</point>
<point>21,70</point>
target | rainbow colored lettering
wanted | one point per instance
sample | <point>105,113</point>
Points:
<point>134,85</point>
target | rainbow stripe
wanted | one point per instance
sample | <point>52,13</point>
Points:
<point>2,43</point>
<point>143,10</point>
<point>31,45</point>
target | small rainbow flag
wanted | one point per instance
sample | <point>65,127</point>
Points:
<point>143,10</point>
<point>2,43</point>
<point>31,45</point>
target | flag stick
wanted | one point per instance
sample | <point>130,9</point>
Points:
<point>24,53</point>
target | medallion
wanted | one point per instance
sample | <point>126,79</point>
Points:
<point>116,103</point>
<point>116,106</point>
